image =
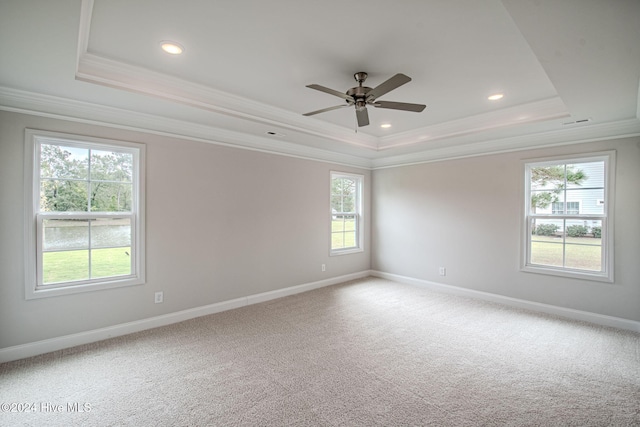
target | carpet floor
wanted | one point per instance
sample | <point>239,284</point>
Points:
<point>364,353</point>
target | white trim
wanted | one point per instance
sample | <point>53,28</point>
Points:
<point>359,213</point>
<point>53,344</point>
<point>607,218</point>
<point>107,72</point>
<point>32,265</point>
<point>537,111</point>
<point>585,316</point>
<point>42,105</point>
<point>37,104</point>
<point>489,146</point>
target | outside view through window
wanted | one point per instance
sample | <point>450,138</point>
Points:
<point>344,215</point>
<point>566,214</point>
<point>84,213</point>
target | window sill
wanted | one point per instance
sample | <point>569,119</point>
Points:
<point>70,289</point>
<point>345,251</point>
<point>572,274</point>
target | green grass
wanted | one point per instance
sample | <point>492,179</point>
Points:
<point>67,266</point>
<point>343,234</point>
<point>580,252</point>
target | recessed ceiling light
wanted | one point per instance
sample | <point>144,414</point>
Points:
<point>385,125</point>
<point>495,96</point>
<point>171,47</point>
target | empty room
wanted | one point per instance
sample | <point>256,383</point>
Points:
<point>336,213</point>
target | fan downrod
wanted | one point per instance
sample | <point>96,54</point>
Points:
<point>359,93</point>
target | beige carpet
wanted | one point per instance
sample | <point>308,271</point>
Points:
<point>369,352</point>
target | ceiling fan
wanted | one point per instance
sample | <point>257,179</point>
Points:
<point>361,96</point>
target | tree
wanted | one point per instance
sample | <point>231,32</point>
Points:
<point>111,177</point>
<point>552,180</point>
<point>61,191</point>
<point>343,194</point>
<point>65,176</point>
<point>554,175</point>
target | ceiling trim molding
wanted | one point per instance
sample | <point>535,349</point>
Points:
<point>546,109</point>
<point>576,135</point>
<point>107,72</point>
<point>84,112</point>
<point>95,69</point>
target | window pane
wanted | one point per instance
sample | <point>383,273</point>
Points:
<point>58,161</point>
<point>111,166</point>
<point>590,200</point>
<point>576,228</point>
<point>543,253</point>
<point>585,257</point>
<point>343,232</point>
<point>336,203</point>
<point>110,232</point>
<point>547,177</point>
<point>63,196</point>
<point>546,227</point>
<point>61,234</point>
<point>343,195</point>
<point>65,266</point>
<point>542,202</point>
<point>110,262</point>
<point>337,241</point>
<point>110,197</point>
<point>590,174</point>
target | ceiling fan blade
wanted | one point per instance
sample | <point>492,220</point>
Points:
<point>330,91</point>
<point>394,82</point>
<point>363,117</point>
<point>326,109</point>
<point>399,106</point>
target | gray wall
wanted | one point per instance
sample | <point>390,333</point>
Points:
<point>465,215</point>
<point>222,223</point>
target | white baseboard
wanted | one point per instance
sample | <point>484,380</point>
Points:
<point>53,344</point>
<point>599,319</point>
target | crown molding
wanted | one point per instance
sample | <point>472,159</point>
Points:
<point>84,112</point>
<point>573,135</point>
<point>103,71</point>
<point>546,109</point>
<point>107,72</point>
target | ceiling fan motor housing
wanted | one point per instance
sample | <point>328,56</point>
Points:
<point>359,93</point>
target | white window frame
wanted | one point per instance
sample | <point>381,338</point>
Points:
<point>606,218</point>
<point>358,214</point>
<point>34,288</point>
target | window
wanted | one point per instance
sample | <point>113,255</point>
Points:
<point>85,214</point>
<point>346,213</point>
<point>568,216</point>
<point>573,208</point>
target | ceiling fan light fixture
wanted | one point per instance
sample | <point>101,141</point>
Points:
<point>172,48</point>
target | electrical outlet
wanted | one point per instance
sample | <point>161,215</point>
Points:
<point>159,297</point>
<point>442,271</point>
<point>324,267</point>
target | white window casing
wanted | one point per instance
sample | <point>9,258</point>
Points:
<point>585,207</point>
<point>36,286</point>
<point>345,213</point>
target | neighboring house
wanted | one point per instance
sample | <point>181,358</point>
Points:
<point>586,198</point>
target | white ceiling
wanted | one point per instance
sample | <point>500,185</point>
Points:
<point>246,64</point>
